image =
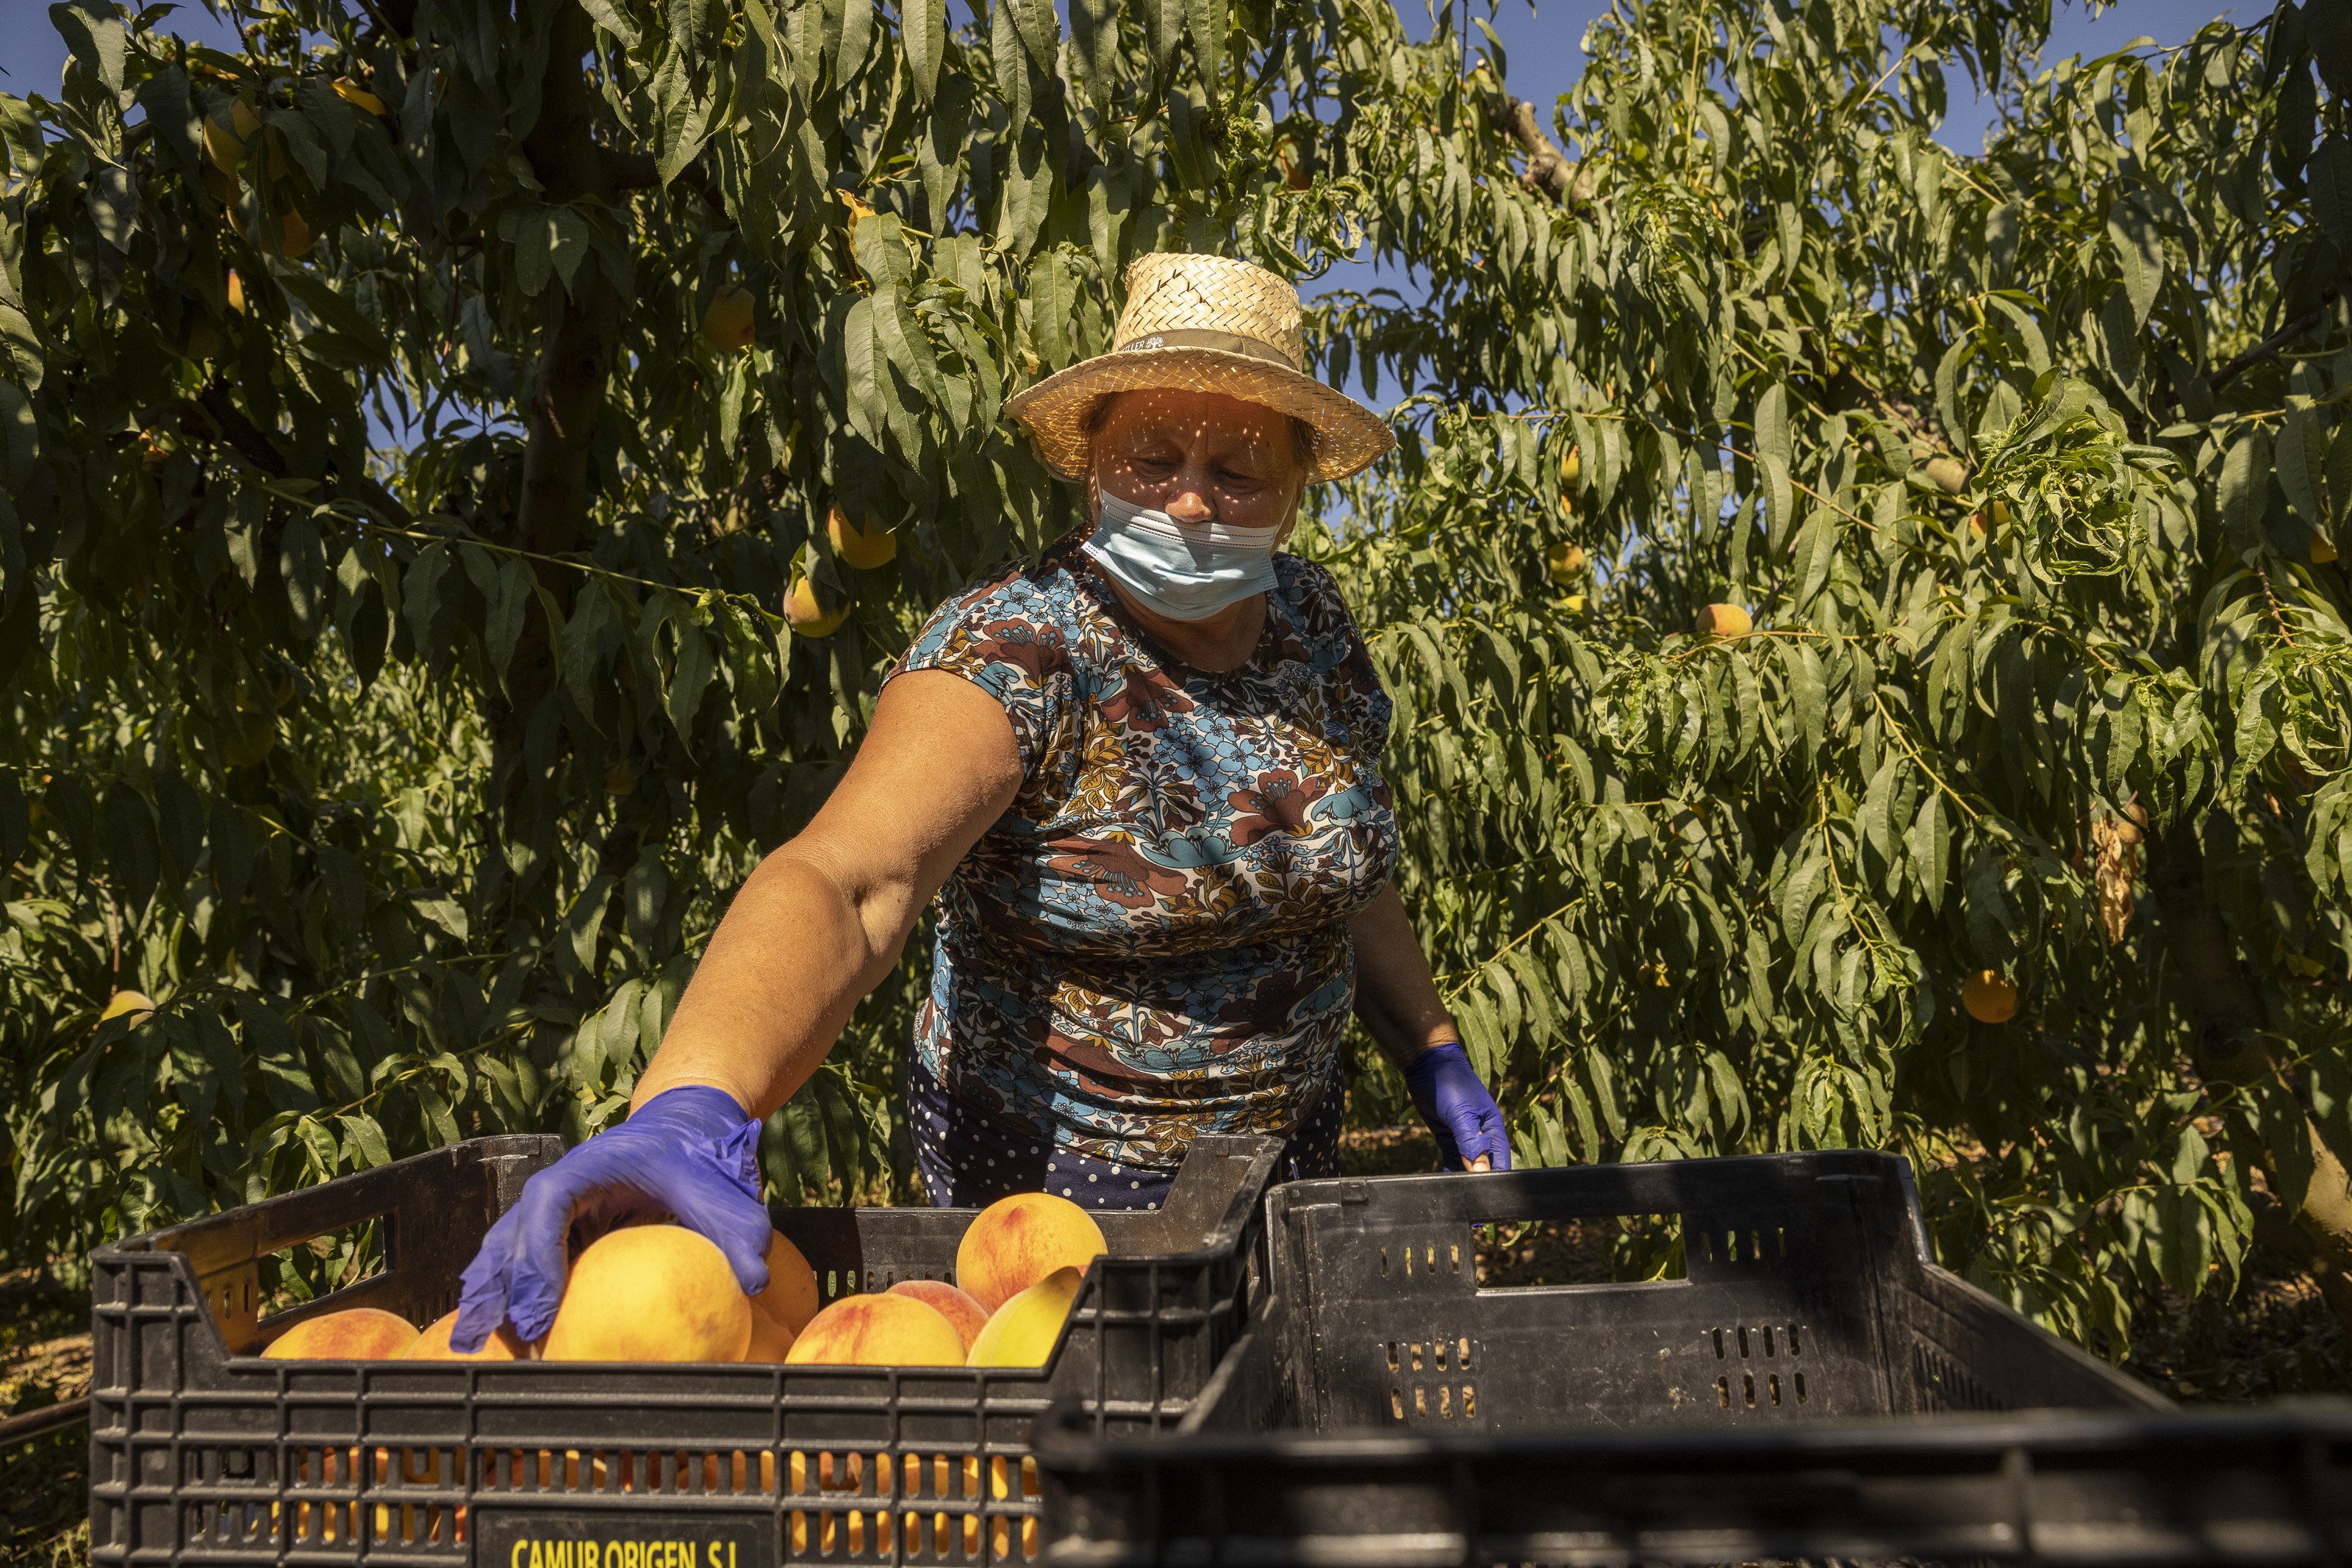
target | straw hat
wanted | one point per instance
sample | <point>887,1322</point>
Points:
<point>1204,323</point>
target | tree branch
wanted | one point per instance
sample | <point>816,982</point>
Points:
<point>2268,347</point>
<point>213,416</point>
<point>1547,168</point>
<point>568,386</point>
<point>564,396</point>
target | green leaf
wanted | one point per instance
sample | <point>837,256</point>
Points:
<point>1039,28</point>
<point>2303,467</point>
<point>585,918</point>
<point>613,16</point>
<point>1815,552</point>
<point>1093,29</point>
<point>1780,502</point>
<point>2139,250</point>
<point>2330,31</point>
<point>2329,176</point>
<point>924,32</point>
<point>1052,301</point>
<point>132,849</point>
<point>694,25</point>
<point>1163,25</point>
<point>1772,426</point>
<point>1209,27</point>
<point>856,39</point>
<point>690,677</point>
<point>868,371</point>
<point>95,35</point>
<point>509,602</point>
<point>2245,479</point>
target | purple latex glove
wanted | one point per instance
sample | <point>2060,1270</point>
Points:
<point>1447,1090</point>
<point>689,1153</point>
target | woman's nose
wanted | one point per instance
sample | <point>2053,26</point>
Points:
<point>1189,504</point>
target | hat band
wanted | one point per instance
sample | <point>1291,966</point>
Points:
<point>1198,338</point>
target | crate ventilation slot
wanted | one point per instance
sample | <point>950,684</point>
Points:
<point>935,1508</point>
<point>1943,1385</point>
<point>1441,1359</point>
<point>1424,1261</point>
<point>1752,1246</point>
<point>1768,1388</point>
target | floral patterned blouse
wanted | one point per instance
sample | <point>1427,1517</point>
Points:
<point>1152,941</point>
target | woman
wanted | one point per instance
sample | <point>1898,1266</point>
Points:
<point>1143,778</point>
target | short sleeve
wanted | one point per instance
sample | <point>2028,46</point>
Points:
<point>1010,638</point>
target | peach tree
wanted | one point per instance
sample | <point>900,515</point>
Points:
<point>467,468</point>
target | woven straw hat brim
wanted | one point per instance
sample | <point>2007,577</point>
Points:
<point>1347,435</point>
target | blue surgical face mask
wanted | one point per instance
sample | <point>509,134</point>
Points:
<point>1186,572</point>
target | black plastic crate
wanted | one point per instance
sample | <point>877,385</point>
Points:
<point>202,1452</point>
<point>2269,1486</point>
<point>1385,1408</point>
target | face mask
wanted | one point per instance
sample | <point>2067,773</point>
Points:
<point>1186,572</point>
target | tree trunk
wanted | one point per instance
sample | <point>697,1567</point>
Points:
<point>566,393</point>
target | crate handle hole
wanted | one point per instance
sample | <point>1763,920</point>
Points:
<point>1773,1386</point>
<point>1586,1250</point>
<point>1723,1392</point>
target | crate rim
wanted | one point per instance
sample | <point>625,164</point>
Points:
<point>1261,1150</point>
<point>1228,1229</point>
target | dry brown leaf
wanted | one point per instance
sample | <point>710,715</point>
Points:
<point>2118,846</point>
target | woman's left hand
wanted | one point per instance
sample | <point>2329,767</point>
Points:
<point>1468,1123</point>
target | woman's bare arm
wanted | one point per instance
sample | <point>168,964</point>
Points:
<point>1396,998</point>
<point>823,919</point>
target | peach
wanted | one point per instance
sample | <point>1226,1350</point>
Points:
<point>1016,1241</point>
<point>968,1315</point>
<point>1023,1330</point>
<point>790,1297</point>
<point>358,1333</point>
<point>433,1344</point>
<point>864,548</point>
<point>771,1342</point>
<point>877,1330</point>
<point>651,1292</point>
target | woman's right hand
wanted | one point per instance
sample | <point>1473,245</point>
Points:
<point>690,1154</point>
